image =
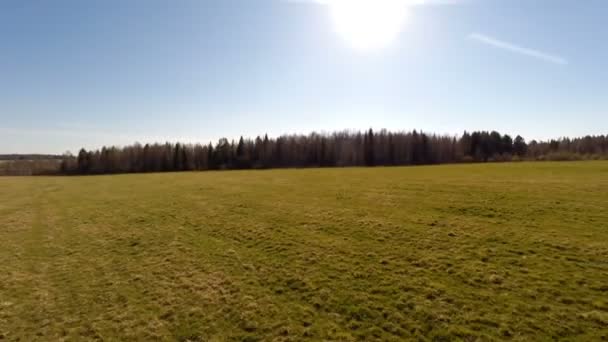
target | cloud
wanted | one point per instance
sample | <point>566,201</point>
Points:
<point>500,44</point>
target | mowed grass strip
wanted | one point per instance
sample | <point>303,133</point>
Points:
<point>473,252</point>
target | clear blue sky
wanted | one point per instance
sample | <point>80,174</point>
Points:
<point>87,73</point>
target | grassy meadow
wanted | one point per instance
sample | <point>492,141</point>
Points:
<point>513,251</point>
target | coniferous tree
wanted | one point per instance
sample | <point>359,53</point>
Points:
<point>83,161</point>
<point>519,146</point>
<point>369,148</point>
<point>211,157</point>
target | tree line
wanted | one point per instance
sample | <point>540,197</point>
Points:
<point>339,149</point>
<point>30,157</point>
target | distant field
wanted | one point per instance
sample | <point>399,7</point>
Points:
<point>489,252</point>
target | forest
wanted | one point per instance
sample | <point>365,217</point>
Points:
<point>338,149</point>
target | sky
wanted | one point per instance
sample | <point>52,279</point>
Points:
<point>112,72</point>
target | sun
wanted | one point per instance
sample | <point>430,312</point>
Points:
<point>368,24</point>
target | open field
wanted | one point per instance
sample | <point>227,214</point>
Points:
<point>497,251</point>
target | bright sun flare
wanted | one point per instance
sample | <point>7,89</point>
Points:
<point>367,24</point>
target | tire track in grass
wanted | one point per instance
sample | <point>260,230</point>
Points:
<point>36,304</point>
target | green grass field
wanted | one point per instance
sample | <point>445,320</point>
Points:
<point>473,252</point>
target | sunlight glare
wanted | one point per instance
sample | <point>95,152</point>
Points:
<point>368,24</point>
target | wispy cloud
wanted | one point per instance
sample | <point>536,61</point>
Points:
<point>500,44</point>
